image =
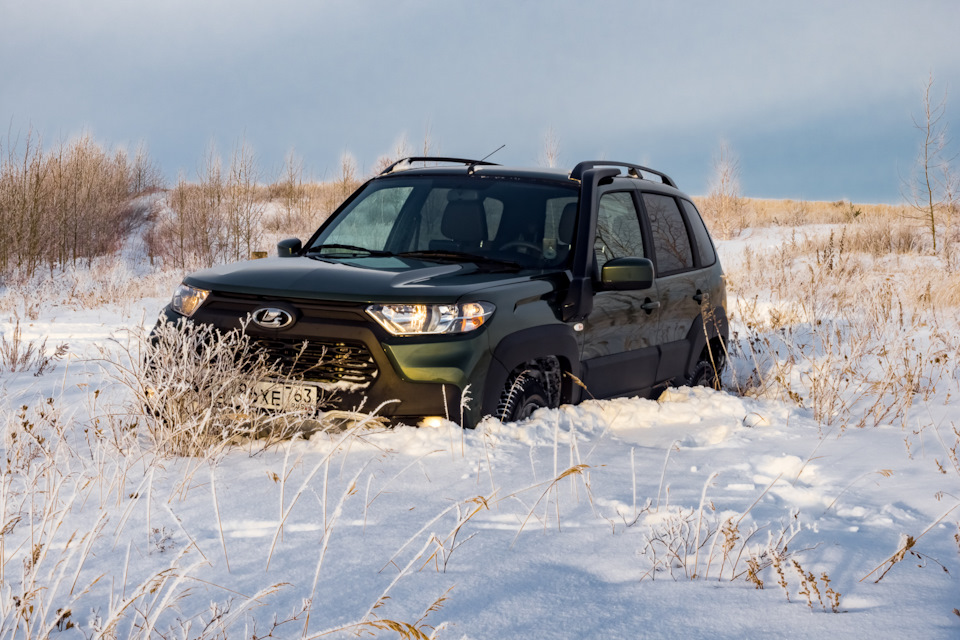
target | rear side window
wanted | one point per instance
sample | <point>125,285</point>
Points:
<point>671,243</point>
<point>700,235</point>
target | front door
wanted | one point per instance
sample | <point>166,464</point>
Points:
<point>620,352</point>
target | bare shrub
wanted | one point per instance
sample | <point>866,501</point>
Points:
<point>346,181</point>
<point>184,233</point>
<point>295,212</point>
<point>401,149</point>
<point>191,231</point>
<point>724,208</point>
<point>550,151</point>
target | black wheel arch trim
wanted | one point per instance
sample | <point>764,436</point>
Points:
<point>717,326</point>
<point>526,345</point>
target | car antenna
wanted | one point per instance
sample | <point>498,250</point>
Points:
<point>472,166</point>
<point>492,152</point>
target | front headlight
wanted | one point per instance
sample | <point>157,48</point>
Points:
<point>187,299</point>
<point>430,319</point>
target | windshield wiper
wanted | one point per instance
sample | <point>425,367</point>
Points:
<point>350,249</point>
<point>460,256</point>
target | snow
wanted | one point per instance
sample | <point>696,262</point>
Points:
<point>550,528</point>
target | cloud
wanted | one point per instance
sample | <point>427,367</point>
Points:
<point>324,77</point>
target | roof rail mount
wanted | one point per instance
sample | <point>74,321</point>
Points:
<point>634,170</point>
<point>411,159</point>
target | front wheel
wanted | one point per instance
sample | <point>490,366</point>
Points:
<point>521,398</point>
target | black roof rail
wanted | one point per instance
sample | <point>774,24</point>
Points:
<point>465,161</point>
<point>634,170</point>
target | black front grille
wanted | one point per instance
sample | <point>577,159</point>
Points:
<point>330,361</point>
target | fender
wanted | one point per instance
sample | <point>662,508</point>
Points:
<point>716,326</point>
<point>529,344</point>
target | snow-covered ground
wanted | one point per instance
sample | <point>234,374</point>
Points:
<point>613,519</point>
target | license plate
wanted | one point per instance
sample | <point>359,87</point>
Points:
<point>284,397</point>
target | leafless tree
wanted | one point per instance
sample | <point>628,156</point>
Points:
<point>146,175</point>
<point>347,179</point>
<point>931,189</point>
<point>244,208</point>
<point>400,150</point>
<point>429,146</point>
<point>292,194</point>
<point>550,151</point>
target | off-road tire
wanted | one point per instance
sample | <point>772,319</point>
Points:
<point>522,396</point>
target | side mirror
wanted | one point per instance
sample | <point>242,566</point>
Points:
<point>289,248</point>
<point>623,274</point>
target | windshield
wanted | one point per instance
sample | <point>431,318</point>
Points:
<point>453,218</point>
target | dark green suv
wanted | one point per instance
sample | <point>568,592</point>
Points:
<point>462,289</point>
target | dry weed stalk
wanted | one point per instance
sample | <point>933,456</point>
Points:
<point>675,539</point>
<point>17,354</point>
<point>906,547</point>
<point>370,624</point>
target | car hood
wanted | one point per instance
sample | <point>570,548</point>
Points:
<point>364,279</point>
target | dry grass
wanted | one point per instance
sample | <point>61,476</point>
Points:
<point>758,212</point>
<point>855,323</point>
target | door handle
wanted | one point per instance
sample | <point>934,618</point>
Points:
<point>698,297</point>
<point>649,305</point>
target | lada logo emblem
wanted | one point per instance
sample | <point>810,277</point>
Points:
<point>272,318</point>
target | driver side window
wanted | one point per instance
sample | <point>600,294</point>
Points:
<point>618,228</point>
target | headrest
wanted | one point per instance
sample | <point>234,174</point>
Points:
<point>464,221</point>
<point>568,220</point>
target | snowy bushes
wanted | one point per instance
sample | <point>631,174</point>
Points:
<point>66,204</point>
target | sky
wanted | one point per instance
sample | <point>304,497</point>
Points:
<point>815,99</point>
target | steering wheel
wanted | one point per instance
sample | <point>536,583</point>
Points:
<point>522,244</point>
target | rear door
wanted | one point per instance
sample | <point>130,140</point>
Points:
<point>681,284</point>
<point>620,355</point>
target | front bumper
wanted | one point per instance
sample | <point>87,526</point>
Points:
<point>403,379</point>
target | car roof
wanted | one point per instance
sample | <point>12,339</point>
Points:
<point>494,170</point>
<point>531,173</point>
